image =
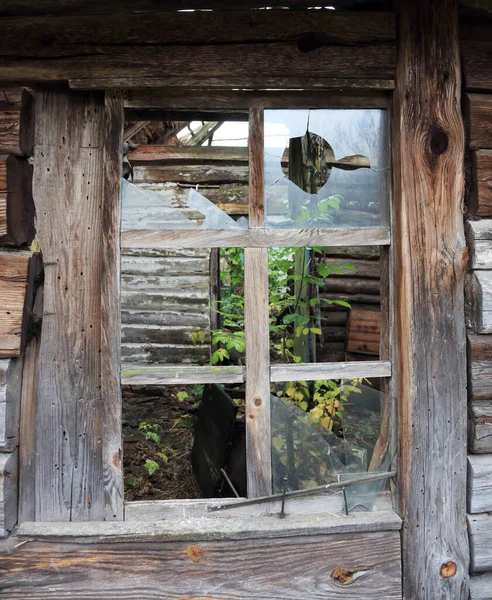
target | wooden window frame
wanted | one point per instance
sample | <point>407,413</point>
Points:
<point>255,241</point>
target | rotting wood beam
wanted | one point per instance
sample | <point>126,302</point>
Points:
<point>431,260</point>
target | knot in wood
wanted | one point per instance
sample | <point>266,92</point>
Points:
<point>257,402</point>
<point>448,569</point>
<point>343,576</point>
<point>439,141</point>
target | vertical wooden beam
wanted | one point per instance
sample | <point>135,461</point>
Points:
<point>256,168</point>
<point>257,326</point>
<point>429,306</point>
<point>76,192</point>
<point>114,116</point>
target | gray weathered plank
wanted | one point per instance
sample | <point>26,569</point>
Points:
<point>479,483</point>
<point>8,491</point>
<point>13,274</point>
<point>360,566</point>
<point>257,407</point>
<point>430,263</point>
<point>481,587</point>
<point>162,375</point>
<point>479,242</point>
<point>254,238</point>
<point>480,426</point>
<point>480,532</point>
<point>10,391</point>
<point>341,370</point>
<point>480,292</point>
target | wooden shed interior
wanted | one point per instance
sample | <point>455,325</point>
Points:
<point>245,265</point>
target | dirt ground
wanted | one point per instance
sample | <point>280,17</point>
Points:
<point>158,427</point>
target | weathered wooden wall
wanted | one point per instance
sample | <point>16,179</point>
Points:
<point>476,49</point>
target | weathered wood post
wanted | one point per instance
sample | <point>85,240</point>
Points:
<point>430,265</point>
<point>76,186</point>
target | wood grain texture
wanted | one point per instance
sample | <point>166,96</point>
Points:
<point>10,391</point>
<point>110,348</point>
<point>342,370</point>
<point>480,427</point>
<point>479,243</point>
<point>13,275</point>
<point>480,531</point>
<point>479,367</point>
<point>256,148</point>
<point>479,292</point>
<point>254,238</point>
<point>479,483</point>
<point>478,108</point>
<point>77,203</point>
<point>263,82</point>
<point>476,49</point>
<point>18,211</point>
<point>17,128</point>
<point>226,62</point>
<point>151,98</point>
<point>179,375</point>
<point>191,175</point>
<point>284,569</point>
<point>80,35</point>
<point>481,587</point>
<point>482,183</point>
<point>8,491</point>
<point>257,407</point>
<point>430,264</point>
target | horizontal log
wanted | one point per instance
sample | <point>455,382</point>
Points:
<point>480,427</point>
<point>213,100</point>
<point>476,57</point>
<point>17,128</point>
<point>165,353</point>
<point>209,63</point>
<point>158,334</point>
<point>196,286</point>
<point>189,154</point>
<point>8,492</point>
<point>16,202</point>
<point>10,390</point>
<point>479,483</point>
<point>366,565</point>
<point>179,375</point>
<point>479,301</point>
<point>81,35</point>
<point>164,267</point>
<point>480,532</point>
<point>478,108</point>
<point>479,242</point>
<point>481,192</point>
<point>173,315</point>
<point>191,174</point>
<point>481,587</point>
<point>255,238</point>
<point>11,98</point>
<point>351,285</point>
<point>13,276</point>
<point>342,370</point>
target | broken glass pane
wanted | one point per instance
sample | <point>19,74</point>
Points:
<point>170,208</point>
<point>326,168</point>
<point>337,431</point>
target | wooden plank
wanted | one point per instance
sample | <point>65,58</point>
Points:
<point>189,154</point>
<point>10,391</point>
<point>191,174</point>
<point>114,120</point>
<point>8,492</point>
<point>481,193</point>
<point>250,82</point>
<point>257,408</point>
<point>365,566</point>
<point>342,370</point>
<point>162,375</point>
<point>480,427</point>
<point>17,221</point>
<point>430,262</point>
<point>13,274</point>
<point>481,587</point>
<point>479,290</point>
<point>478,108</point>
<point>77,198</point>
<point>213,100</point>
<point>256,149</point>
<point>32,322</point>
<point>479,483</point>
<point>229,62</point>
<point>254,238</point>
<point>26,37</point>
<point>477,63</point>
<point>479,243</point>
<point>479,366</point>
<point>480,532</point>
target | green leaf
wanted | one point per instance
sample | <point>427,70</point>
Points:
<point>181,396</point>
<point>151,466</point>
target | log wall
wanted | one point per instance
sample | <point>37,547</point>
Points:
<point>477,69</point>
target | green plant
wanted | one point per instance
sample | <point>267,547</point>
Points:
<point>150,431</point>
<point>151,466</point>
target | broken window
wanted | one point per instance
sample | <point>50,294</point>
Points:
<point>261,295</point>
